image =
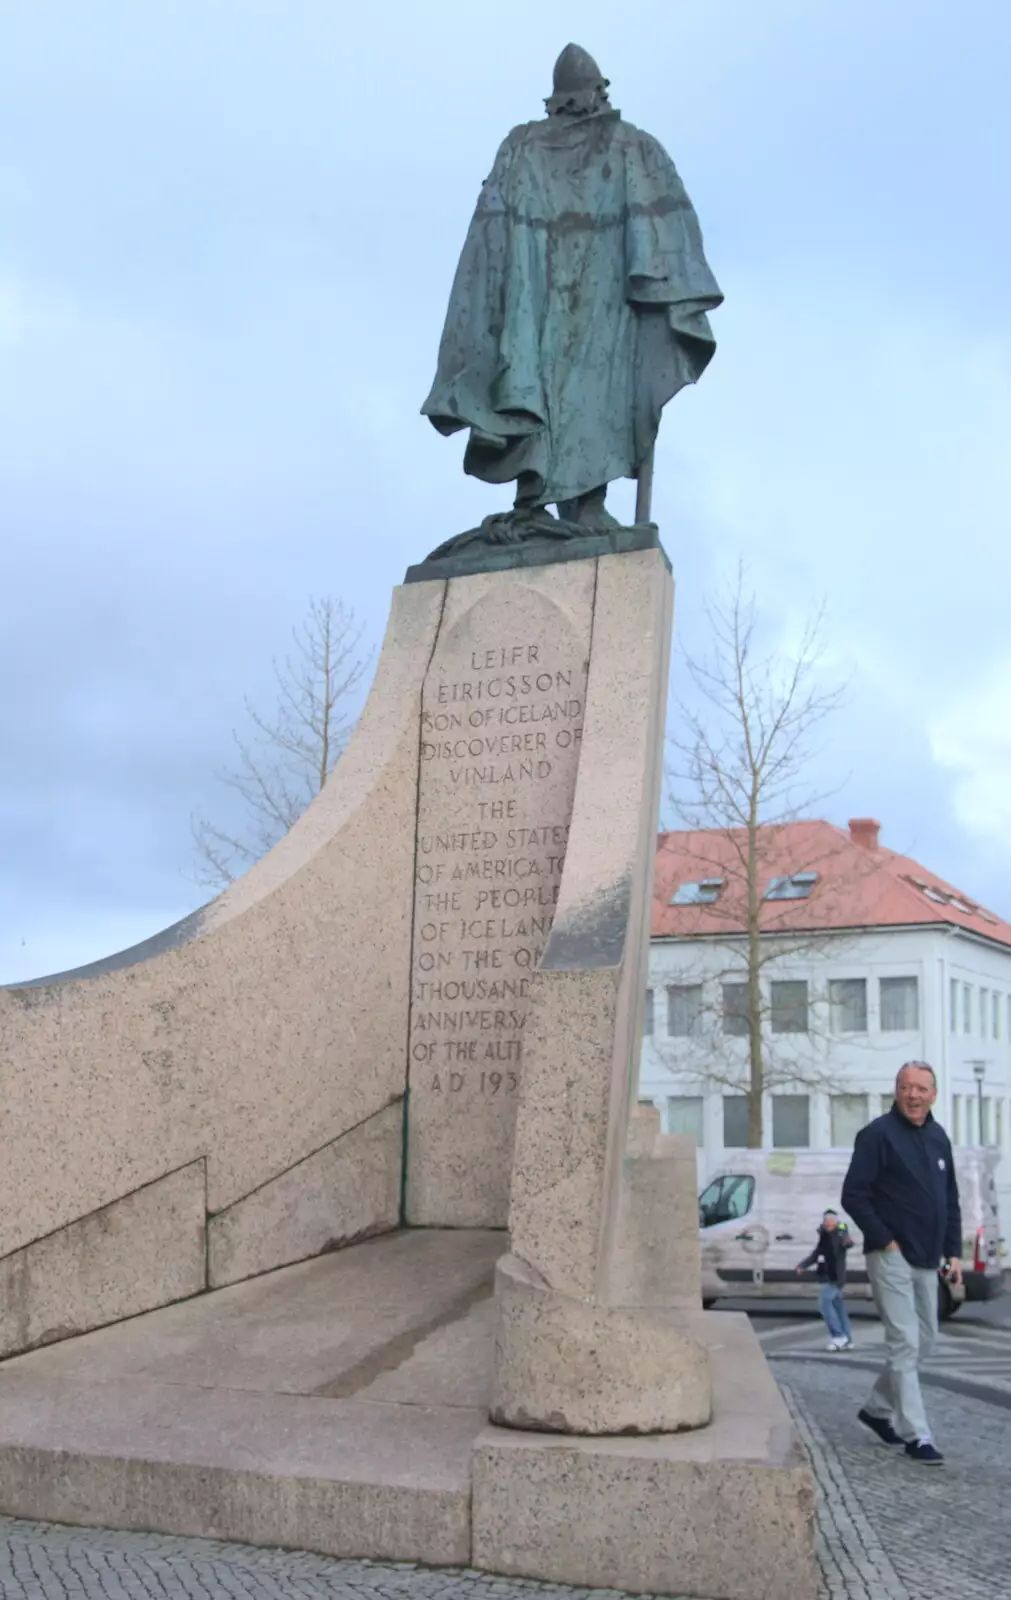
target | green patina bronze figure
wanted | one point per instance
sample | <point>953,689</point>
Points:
<point>578,310</point>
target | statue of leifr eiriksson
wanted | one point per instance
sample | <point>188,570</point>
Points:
<point>579,308</point>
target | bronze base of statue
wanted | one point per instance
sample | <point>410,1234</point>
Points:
<point>530,538</point>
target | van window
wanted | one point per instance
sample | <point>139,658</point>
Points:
<point>725,1200</point>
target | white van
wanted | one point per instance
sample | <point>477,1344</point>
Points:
<point>759,1216</point>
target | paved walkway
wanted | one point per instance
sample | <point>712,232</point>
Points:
<point>969,1353</point>
<point>887,1529</point>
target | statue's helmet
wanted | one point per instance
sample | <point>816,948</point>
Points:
<point>576,70</point>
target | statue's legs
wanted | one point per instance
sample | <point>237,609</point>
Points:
<point>526,493</point>
<point>589,510</point>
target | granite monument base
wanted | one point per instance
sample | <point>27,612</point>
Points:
<point>341,1406</point>
<point>419,1015</point>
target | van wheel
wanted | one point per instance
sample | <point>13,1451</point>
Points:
<point>947,1305</point>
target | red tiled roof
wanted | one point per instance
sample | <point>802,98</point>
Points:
<point>856,887</point>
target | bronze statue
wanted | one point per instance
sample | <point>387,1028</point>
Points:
<point>578,310</point>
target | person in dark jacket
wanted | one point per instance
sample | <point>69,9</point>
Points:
<point>902,1194</point>
<point>830,1255</point>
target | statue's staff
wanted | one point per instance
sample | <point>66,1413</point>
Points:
<point>644,487</point>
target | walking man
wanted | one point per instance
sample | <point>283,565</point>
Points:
<point>901,1192</point>
<point>830,1254</point>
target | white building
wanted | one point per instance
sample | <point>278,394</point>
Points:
<point>870,961</point>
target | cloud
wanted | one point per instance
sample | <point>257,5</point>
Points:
<point>971,739</point>
<point>227,234</point>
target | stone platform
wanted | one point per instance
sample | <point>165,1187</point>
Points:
<point>340,1406</point>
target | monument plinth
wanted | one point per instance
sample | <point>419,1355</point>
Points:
<point>502,713</point>
<point>576,1352</point>
<point>419,1015</point>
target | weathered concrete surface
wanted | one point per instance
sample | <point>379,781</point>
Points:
<point>327,1327</point>
<point>565,1365</point>
<point>336,1406</point>
<point>143,1251</point>
<point>587,995</point>
<point>330,1406</point>
<point>578,1195</point>
<point>345,1192</point>
<point>274,1021</point>
<point>656,1259</point>
<point>341,1478</point>
<point>724,1512</point>
<point>502,719</point>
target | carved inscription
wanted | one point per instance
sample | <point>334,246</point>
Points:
<point>502,724</point>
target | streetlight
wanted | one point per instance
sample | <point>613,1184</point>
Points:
<point>979,1070</point>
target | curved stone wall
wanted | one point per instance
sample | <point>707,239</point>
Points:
<point>264,1037</point>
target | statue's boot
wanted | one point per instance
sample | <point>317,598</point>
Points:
<point>589,511</point>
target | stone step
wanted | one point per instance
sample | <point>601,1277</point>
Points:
<point>331,1406</point>
<point>340,1477</point>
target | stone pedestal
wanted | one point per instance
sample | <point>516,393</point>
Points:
<point>502,716</point>
<point>423,1008</point>
<point>591,1340</point>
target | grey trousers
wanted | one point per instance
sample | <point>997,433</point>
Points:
<point>906,1298</point>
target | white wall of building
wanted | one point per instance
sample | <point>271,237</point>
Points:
<point>963,1019</point>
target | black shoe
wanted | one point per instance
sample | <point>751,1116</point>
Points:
<point>882,1427</point>
<point>923,1450</point>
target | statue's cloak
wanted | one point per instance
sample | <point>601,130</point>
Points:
<point>578,308</point>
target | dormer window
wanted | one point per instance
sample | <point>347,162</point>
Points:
<point>949,897</point>
<point>703,893</point>
<point>795,887</point>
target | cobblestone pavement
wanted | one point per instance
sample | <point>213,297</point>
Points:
<point>887,1528</point>
<point>38,1562</point>
<point>965,1353</point>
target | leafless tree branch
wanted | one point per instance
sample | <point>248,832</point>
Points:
<point>287,758</point>
<point>737,776</point>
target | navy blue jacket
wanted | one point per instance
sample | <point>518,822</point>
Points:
<point>901,1185</point>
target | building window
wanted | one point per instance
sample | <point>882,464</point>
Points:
<point>791,1121</point>
<point>684,1010</point>
<point>900,1005</point>
<point>953,1005</point>
<point>998,1123</point>
<point>984,1013</point>
<point>887,1102</point>
<point>996,1015</point>
<point>735,1121</point>
<point>986,1131</point>
<point>703,893</point>
<point>684,1115</point>
<point>647,1016</point>
<point>789,1006</point>
<point>848,1004</point>
<point>956,1119</point>
<point>795,887</point>
<point>735,1009</point>
<point>967,1008</point>
<point>849,1115</point>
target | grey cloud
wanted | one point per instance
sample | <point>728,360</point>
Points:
<point>232,227</point>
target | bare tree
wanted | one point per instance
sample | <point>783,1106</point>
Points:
<point>284,761</point>
<point>742,757</point>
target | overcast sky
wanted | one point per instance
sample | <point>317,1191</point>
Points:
<point>227,234</point>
